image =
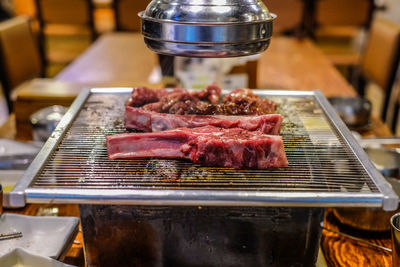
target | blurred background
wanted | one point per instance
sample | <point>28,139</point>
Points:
<point>349,49</point>
<point>340,28</point>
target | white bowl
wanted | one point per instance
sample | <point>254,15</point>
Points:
<point>22,258</point>
<point>45,236</point>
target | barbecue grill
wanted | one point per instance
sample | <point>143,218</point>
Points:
<point>172,212</point>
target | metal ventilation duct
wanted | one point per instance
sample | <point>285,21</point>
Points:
<point>207,28</point>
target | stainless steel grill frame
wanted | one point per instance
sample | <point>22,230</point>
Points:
<point>327,166</point>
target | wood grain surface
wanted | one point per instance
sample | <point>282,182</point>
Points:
<point>299,65</point>
<point>122,59</point>
<point>341,251</point>
<point>115,59</point>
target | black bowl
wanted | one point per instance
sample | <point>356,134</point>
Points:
<point>354,111</point>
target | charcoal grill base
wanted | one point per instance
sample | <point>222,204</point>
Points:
<point>200,236</point>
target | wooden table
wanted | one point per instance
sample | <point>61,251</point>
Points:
<point>299,65</point>
<point>121,59</point>
<point>115,59</point>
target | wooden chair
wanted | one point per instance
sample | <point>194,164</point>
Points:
<point>291,16</point>
<point>380,59</point>
<point>126,18</point>
<point>20,58</point>
<point>64,17</point>
<point>396,110</point>
<point>337,27</point>
<point>342,17</point>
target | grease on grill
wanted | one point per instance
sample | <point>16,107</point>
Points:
<point>319,160</point>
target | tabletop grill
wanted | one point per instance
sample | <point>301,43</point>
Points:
<point>175,212</point>
<point>326,167</point>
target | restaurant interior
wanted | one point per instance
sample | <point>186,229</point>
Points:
<point>73,71</point>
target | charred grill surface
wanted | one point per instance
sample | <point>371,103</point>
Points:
<point>319,160</point>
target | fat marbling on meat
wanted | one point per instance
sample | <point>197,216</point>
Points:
<point>208,146</point>
<point>150,121</point>
<point>205,102</point>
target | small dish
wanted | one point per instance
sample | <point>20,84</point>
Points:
<point>21,258</point>
<point>45,121</point>
<point>354,111</point>
<point>45,236</point>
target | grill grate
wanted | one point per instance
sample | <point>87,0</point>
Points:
<point>323,169</point>
<point>314,152</point>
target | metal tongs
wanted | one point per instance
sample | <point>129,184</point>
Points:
<point>366,242</point>
<point>10,236</point>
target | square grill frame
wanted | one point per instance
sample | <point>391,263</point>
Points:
<point>25,192</point>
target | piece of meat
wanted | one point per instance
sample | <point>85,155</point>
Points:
<point>208,146</point>
<point>238,102</point>
<point>142,95</point>
<point>182,107</point>
<point>244,101</point>
<point>212,93</point>
<point>177,103</point>
<point>149,121</point>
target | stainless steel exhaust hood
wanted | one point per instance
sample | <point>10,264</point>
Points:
<point>207,28</point>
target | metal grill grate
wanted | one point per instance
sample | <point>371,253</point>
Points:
<point>320,162</point>
<point>81,158</point>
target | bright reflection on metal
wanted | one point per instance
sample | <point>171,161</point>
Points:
<point>207,28</point>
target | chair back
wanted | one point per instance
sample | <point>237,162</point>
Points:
<point>126,14</point>
<point>65,18</point>
<point>396,111</point>
<point>341,19</point>
<point>381,55</point>
<point>380,58</point>
<point>290,15</point>
<point>65,11</point>
<point>20,58</point>
<point>343,12</point>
